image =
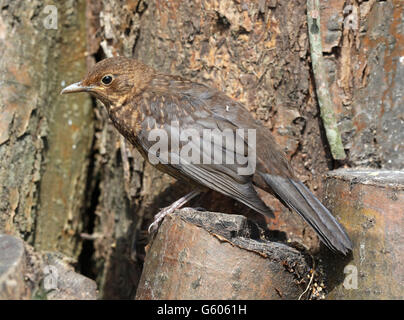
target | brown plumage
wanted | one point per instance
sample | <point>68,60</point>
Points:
<point>139,99</point>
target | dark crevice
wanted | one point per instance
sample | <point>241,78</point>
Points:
<point>335,52</point>
<point>222,23</point>
<point>86,263</point>
<point>140,9</point>
<point>242,31</point>
<point>98,56</point>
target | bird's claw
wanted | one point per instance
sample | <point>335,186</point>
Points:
<point>158,218</point>
<point>153,227</point>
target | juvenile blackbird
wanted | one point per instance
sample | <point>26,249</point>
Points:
<point>140,99</point>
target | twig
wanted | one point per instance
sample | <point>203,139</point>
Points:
<point>320,76</point>
<point>312,275</point>
<point>87,236</point>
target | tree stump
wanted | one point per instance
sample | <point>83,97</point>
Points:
<point>63,283</point>
<point>26,274</point>
<point>207,255</point>
<point>370,204</point>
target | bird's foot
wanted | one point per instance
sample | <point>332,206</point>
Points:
<point>170,209</point>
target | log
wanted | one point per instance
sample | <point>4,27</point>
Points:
<point>208,255</point>
<point>68,285</point>
<point>26,274</point>
<point>12,265</point>
<point>370,204</point>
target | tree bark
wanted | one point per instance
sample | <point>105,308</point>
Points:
<point>12,267</point>
<point>45,140</point>
<point>363,43</point>
<point>27,274</point>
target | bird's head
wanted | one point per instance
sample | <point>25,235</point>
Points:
<point>113,80</point>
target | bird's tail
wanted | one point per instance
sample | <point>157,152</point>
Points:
<point>299,198</point>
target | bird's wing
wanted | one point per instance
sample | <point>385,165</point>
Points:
<point>270,157</point>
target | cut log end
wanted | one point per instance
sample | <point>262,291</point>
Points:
<point>369,203</point>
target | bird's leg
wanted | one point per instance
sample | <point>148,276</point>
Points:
<point>201,200</point>
<point>170,209</point>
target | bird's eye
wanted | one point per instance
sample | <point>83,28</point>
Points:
<point>106,79</point>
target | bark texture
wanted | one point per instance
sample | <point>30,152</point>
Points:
<point>364,45</point>
<point>26,274</point>
<point>45,140</point>
<point>12,265</point>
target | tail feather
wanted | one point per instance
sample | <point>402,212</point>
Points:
<point>299,198</point>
